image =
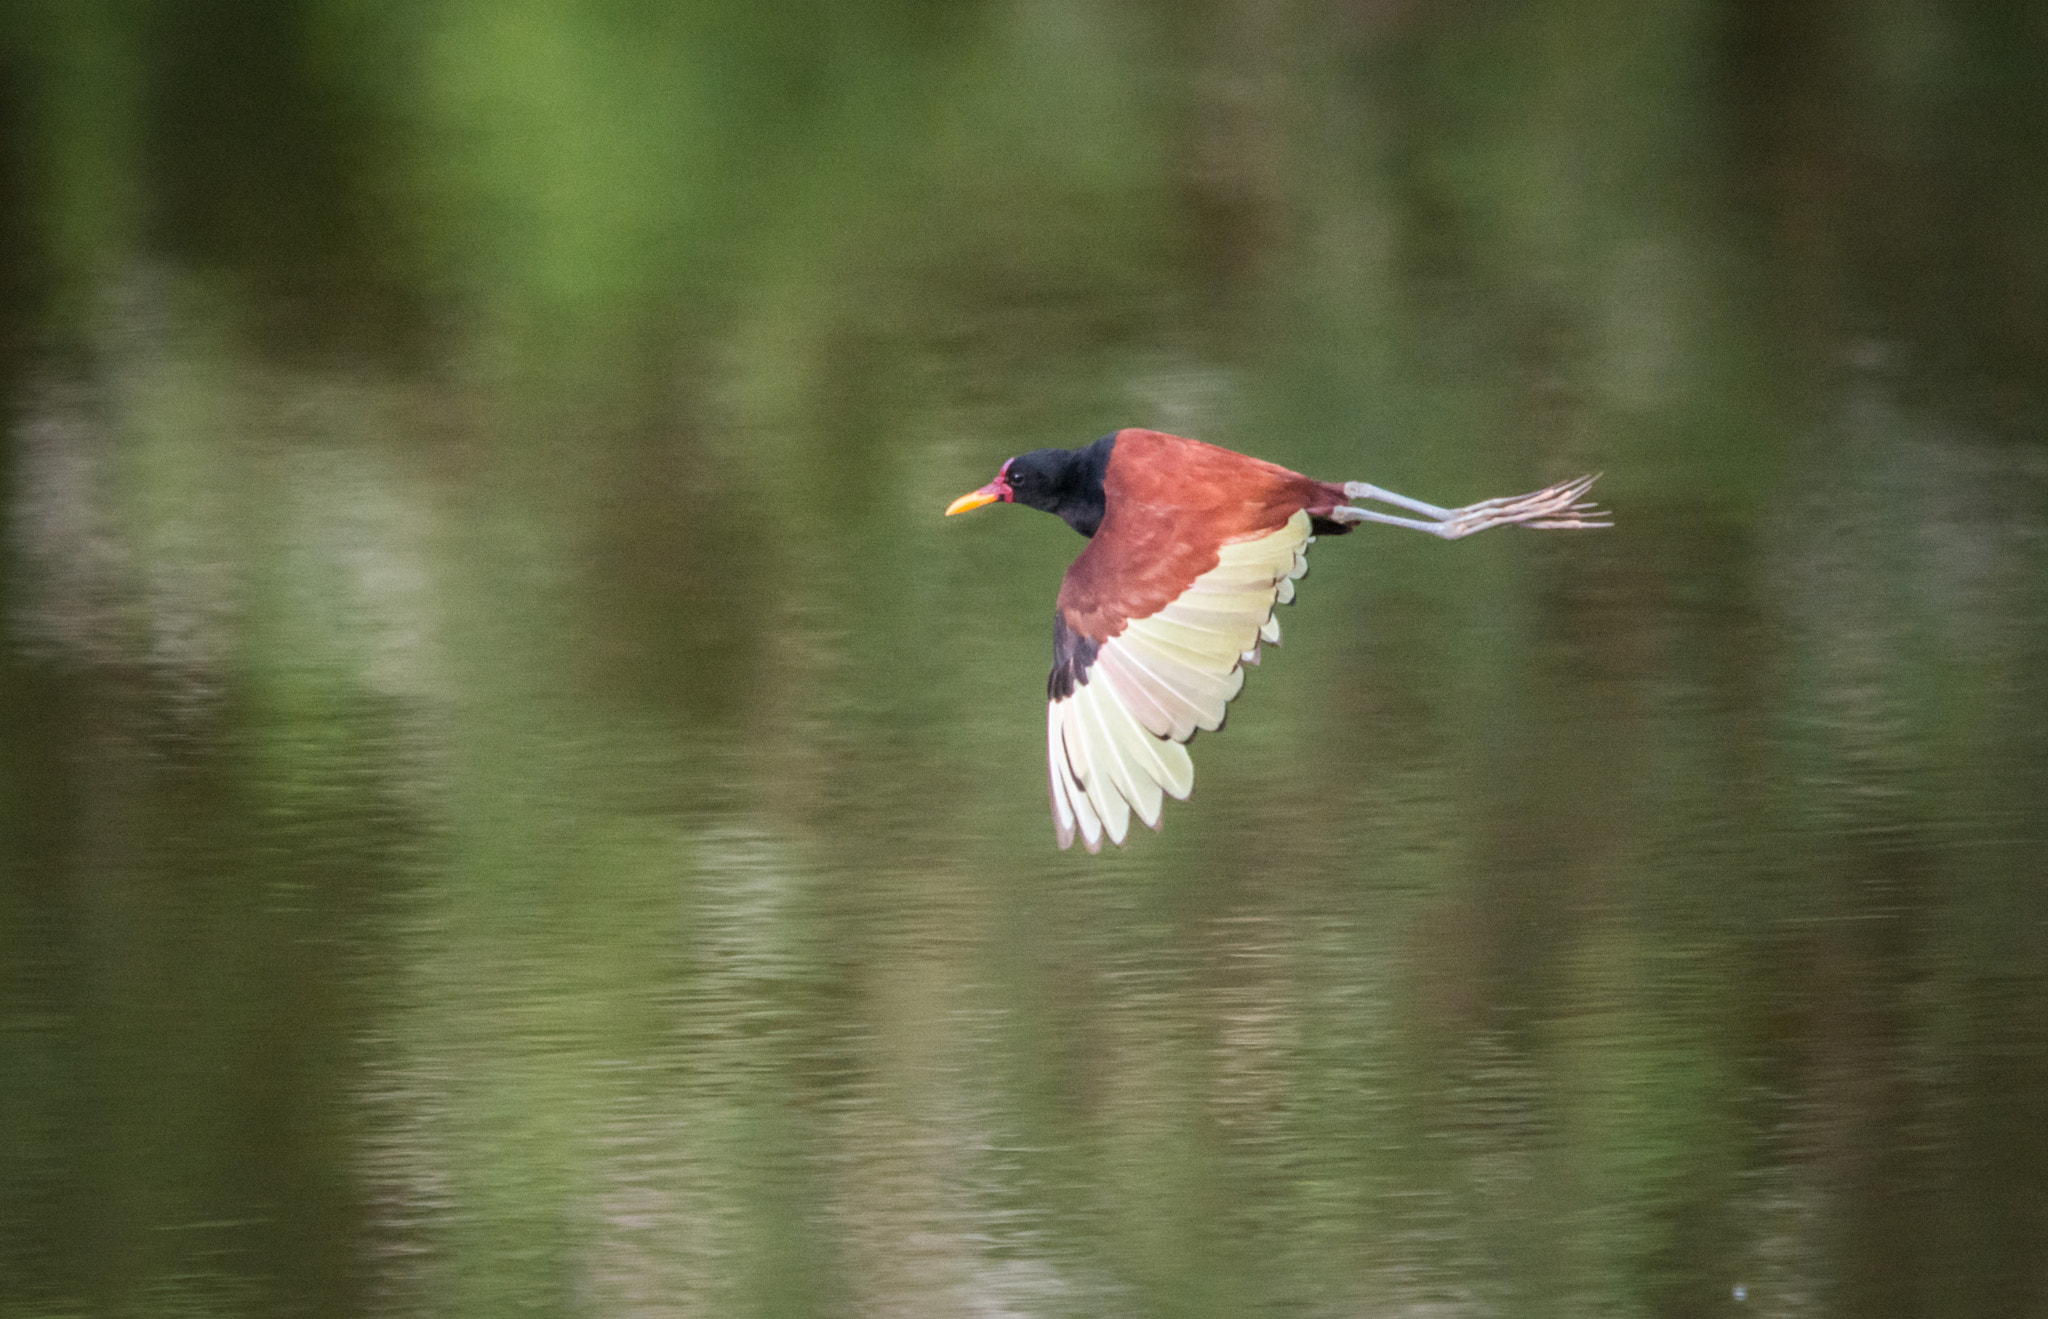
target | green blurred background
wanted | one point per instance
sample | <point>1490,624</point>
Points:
<point>513,801</point>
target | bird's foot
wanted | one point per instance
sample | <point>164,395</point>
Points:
<point>1553,508</point>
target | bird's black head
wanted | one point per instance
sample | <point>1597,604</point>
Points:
<point>1064,482</point>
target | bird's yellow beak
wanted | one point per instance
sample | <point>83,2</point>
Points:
<point>972,500</point>
<point>988,494</point>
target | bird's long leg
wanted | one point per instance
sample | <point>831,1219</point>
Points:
<point>1557,507</point>
<point>1346,513</point>
<point>1361,490</point>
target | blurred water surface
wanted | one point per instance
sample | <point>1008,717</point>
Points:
<point>516,802</point>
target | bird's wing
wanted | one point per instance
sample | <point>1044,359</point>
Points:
<point>1119,710</point>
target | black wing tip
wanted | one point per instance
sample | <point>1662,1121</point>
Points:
<point>1072,656</point>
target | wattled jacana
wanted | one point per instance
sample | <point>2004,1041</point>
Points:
<point>1190,547</point>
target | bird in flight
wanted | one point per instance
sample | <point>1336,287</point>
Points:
<point>1190,548</point>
